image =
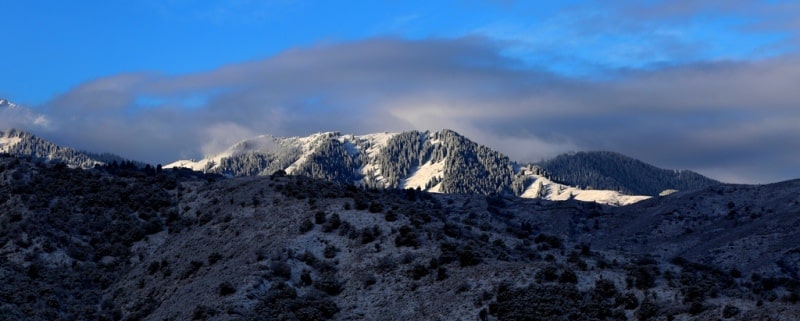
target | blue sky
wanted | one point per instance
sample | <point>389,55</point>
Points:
<point>52,46</point>
<point>704,81</point>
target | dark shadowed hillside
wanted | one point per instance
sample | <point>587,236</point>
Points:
<point>128,244</point>
<point>614,171</point>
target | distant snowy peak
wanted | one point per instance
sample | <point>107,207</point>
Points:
<point>4,103</point>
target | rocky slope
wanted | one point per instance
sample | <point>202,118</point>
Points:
<point>114,244</point>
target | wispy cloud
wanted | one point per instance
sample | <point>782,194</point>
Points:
<point>598,38</point>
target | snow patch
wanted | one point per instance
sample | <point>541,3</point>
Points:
<point>371,146</point>
<point>544,188</point>
<point>7,142</point>
<point>424,174</point>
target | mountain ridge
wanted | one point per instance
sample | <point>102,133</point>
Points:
<point>609,170</point>
<point>442,161</point>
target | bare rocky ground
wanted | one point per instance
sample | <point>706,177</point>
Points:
<point>124,244</point>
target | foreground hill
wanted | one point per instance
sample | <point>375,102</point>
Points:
<point>126,245</point>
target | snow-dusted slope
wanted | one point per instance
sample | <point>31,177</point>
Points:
<point>424,174</point>
<point>23,144</point>
<point>262,143</point>
<point>296,151</point>
<point>7,141</point>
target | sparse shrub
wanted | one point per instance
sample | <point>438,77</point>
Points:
<point>305,278</point>
<point>329,284</point>
<point>193,267</point>
<point>568,277</point>
<point>281,302</point>
<point>281,269</point>
<point>647,310</point>
<point>643,278</point>
<point>468,257</point>
<point>390,216</point>
<point>375,207</point>
<point>604,289</point>
<point>332,224</point>
<point>551,240</point>
<point>452,230</point>
<point>226,288</point>
<point>202,312</point>
<point>361,204</point>
<point>329,252</point>
<point>370,280</point>
<point>214,258</point>
<point>418,271</point>
<point>730,311</point>
<point>153,267</point>
<point>441,273</point>
<point>547,274</point>
<point>696,308</point>
<point>367,235</point>
<point>306,226</point>
<point>628,301</point>
<point>407,237</point>
<point>319,217</point>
